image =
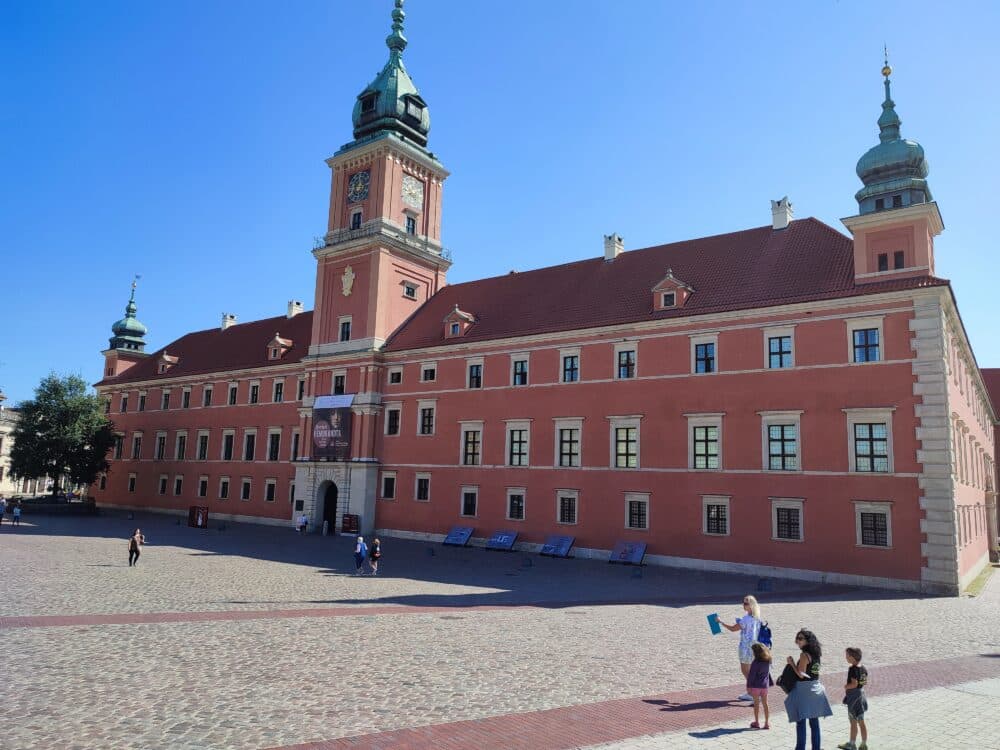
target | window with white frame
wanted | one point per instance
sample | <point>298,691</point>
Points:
<point>705,441</point>
<point>409,290</point>
<point>393,412</point>
<point>344,328</point>
<point>780,436</point>
<point>233,390</point>
<point>566,506</point>
<point>160,447</point>
<point>515,503</point>
<point>422,487</point>
<point>779,347</point>
<point>294,453</point>
<point>425,424</point>
<point>474,373</point>
<point>625,441</point>
<point>704,356</point>
<point>570,365</point>
<point>186,398</point>
<point>142,401</point>
<point>254,392</point>
<point>136,446</point>
<point>206,395</point>
<point>388,485</point>
<point>625,360</point>
<point>356,219</point>
<point>568,447</point>
<point>715,515</point>
<point>203,486</point>
<point>873,521</point>
<point>278,391</point>
<point>180,445</point>
<point>518,437</point>
<point>163,484</point>
<point>245,488</point>
<point>472,443</point>
<point>786,520</point>
<point>428,372</point>
<point>869,435</point>
<point>249,444</point>
<point>637,510</point>
<point>338,380</point>
<point>470,501</point>
<point>274,444</point>
<point>519,369</point>
<point>131,482</point>
<point>228,440</point>
<point>865,339</point>
<point>395,375</point>
<point>165,402</point>
<point>300,389</point>
<point>223,488</point>
<point>270,488</point>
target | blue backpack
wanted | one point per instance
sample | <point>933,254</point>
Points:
<point>764,634</point>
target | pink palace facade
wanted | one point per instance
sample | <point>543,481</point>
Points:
<point>785,400</point>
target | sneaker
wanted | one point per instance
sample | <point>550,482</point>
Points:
<point>847,746</point>
<point>745,697</point>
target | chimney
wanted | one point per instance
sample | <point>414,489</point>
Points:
<point>781,213</point>
<point>614,246</point>
<point>228,319</point>
<point>294,308</point>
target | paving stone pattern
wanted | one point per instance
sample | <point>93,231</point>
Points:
<point>460,635</point>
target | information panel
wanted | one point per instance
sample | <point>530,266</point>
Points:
<point>502,540</point>
<point>458,536</point>
<point>557,546</point>
<point>629,553</point>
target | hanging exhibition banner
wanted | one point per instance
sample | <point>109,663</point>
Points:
<point>331,433</point>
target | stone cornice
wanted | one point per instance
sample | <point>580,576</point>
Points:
<point>415,160</point>
<point>927,211</point>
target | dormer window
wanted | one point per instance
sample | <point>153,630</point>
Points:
<point>669,299</point>
<point>880,204</point>
<point>897,201</point>
<point>457,322</point>
<point>670,292</point>
<point>368,103</point>
<point>414,109</point>
<point>275,353</point>
<point>455,329</point>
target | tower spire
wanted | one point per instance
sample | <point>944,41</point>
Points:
<point>889,121</point>
<point>129,332</point>
<point>396,42</point>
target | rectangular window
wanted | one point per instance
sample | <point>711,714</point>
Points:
<point>779,352</point>
<point>142,402</point>
<point>422,491</point>
<point>103,483</point>
<point>339,384</point>
<point>206,396</point>
<point>706,447</point>
<point>392,421</point>
<point>883,261</point>
<point>254,393</point>
<point>269,488</point>
<point>669,299</point>
<point>186,398</point>
<point>232,394</point>
<point>866,345</point>
<point>249,446</point>
<point>224,488</point>
<point>178,485</point>
<point>427,420</point>
<point>475,376</point>
<point>228,439</point>
<point>395,376</point>
<point>626,364</point>
<point>470,447</point>
<point>181,447</point>
<point>704,357</point>
<point>520,374</point>
<point>245,489</point>
<point>515,505</point>
<point>203,487</point>
<point>295,446</point>
<point>455,329</point>
<point>136,447</point>
<point>897,201</point>
<point>345,330</point>
<point>782,447</point>
<point>411,225</point>
<point>626,447</point>
<point>388,486</point>
<point>428,373</point>
<point>716,516</point>
<point>273,446</point>
<point>279,391</point>
<point>569,446</point>
<point>871,447</point>
<point>124,407</point>
<point>874,528</point>
<point>898,259</point>
<point>517,447</point>
<point>356,220</point>
<point>570,368</point>
<point>131,482</point>
<point>119,446</point>
<point>470,499</point>
<point>163,484</point>
<point>567,509</point>
<point>300,389</point>
<point>788,522</point>
<point>165,400</point>
<point>636,512</point>
<point>161,447</point>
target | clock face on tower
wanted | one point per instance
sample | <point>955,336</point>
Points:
<point>413,191</point>
<point>357,186</point>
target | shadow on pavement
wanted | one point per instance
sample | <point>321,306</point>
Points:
<point>696,706</point>
<point>712,734</point>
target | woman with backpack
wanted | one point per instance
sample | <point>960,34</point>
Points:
<point>748,627</point>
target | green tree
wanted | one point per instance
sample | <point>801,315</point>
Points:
<point>62,432</point>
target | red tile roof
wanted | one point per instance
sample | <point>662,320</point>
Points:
<point>991,377</point>
<point>239,347</point>
<point>741,270</point>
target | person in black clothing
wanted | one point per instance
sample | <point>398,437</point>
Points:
<point>134,543</point>
<point>855,699</point>
<point>374,555</point>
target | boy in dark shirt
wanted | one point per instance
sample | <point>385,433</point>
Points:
<point>856,700</point>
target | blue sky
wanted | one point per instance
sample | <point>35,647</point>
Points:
<point>185,141</point>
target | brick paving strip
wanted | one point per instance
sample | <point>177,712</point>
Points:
<point>616,720</point>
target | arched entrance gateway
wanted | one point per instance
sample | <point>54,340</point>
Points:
<point>326,505</point>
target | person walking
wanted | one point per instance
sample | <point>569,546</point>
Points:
<point>374,555</point>
<point>3,508</point>
<point>856,700</point>
<point>758,682</point>
<point>360,553</point>
<point>748,627</point>
<point>807,701</point>
<point>17,513</point>
<point>135,543</point>
<point>304,523</point>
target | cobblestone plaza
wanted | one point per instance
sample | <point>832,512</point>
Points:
<point>252,637</point>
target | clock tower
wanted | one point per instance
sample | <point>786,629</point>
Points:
<point>381,256</point>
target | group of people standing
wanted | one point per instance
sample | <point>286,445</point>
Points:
<point>806,701</point>
<point>15,511</point>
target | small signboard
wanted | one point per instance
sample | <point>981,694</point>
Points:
<point>349,523</point>
<point>458,536</point>
<point>198,516</point>
<point>557,546</point>
<point>502,540</point>
<point>629,553</point>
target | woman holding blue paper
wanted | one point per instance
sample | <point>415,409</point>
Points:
<point>748,627</point>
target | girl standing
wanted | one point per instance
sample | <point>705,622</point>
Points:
<point>375,554</point>
<point>758,681</point>
<point>807,701</point>
<point>748,627</point>
<point>134,543</point>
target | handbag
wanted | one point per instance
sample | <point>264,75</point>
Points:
<point>788,679</point>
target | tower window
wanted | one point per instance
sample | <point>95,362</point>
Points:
<point>883,261</point>
<point>411,225</point>
<point>345,330</point>
<point>897,201</point>
<point>898,259</point>
<point>368,103</point>
<point>880,204</point>
<point>356,220</point>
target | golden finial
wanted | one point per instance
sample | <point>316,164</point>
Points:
<point>886,69</point>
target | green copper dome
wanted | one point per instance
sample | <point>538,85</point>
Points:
<point>128,332</point>
<point>391,103</point>
<point>894,172</point>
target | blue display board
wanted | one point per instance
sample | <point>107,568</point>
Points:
<point>458,536</point>
<point>557,546</point>
<point>503,540</point>
<point>629,553</point>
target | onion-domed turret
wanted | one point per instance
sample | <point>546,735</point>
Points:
<point>895,171</point>
<point>128,332</point>
<point>391,103</point>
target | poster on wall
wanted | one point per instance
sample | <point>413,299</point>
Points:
<point>331,433</point>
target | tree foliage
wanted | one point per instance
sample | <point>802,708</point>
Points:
<point>62,432</point>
